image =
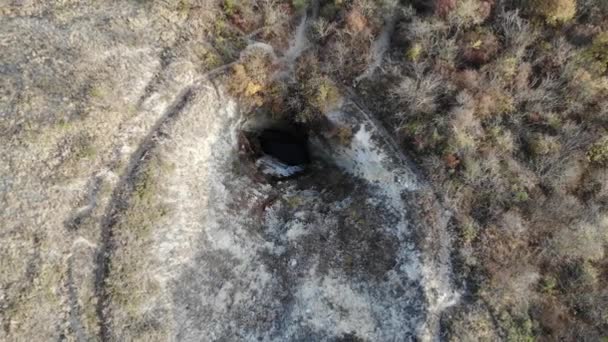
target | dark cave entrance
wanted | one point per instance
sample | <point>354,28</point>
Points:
<point>279,150</point>
<point>289,147</point>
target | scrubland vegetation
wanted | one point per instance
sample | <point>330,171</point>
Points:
<point>504,106</point>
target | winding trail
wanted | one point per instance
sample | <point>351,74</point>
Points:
<point>118,203</point>
<point>74,307</point>
<point>124,189</point>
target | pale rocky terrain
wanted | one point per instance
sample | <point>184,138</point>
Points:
<point>127,211</point>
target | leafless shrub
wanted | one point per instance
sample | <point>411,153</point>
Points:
<point>595,10</point>
<point>517,32</point>
<point>571,143</point>
<point>585,240</point>
<point>562,51</point>
<point>351,53</point>
<point>545,94</point>
<point>483,172</point>
<point>465,127</point>
<point>584,88</point>
<point>274,17</point>
<point>419,92</point>
<point>472,324</point>
<point>321,29</point>
<point>431,34</point>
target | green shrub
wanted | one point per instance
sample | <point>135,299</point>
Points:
<point>547,284</point>
<point>326,96</point>
<point>251,77</point>
<point>598,153</point>
<point>520,196</point>
<point>414,52</point>
<point>468,232</point>
<point>595,57</point>
<point>314,94</point>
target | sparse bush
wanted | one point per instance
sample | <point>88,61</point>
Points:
<point>587,87</point>
<point>81,146</point>
<point>494,102</point>
<point>275,20</point>
<point>585,241</point>
<point>313,94</point>
<point>468,231</point>
<point>595,57</point>
<point>542,144</point>
<point>479,46</point>
<point>554,11</point>
<point>323,94</point>
<point>431,36</point>
<point>577,276</point>
<point>519,194</point>
<point>444,7</point>
<point>230,7</point>
<point>517,32</point>
<point>518,329</point>
<point>344,135</point>
<point>419,92</point>
<point>321,30</point>
<point>468,13</point>
<point>472,324</point>
<point>252,76</point>
<point>502,140</point>
<point>356,21</point>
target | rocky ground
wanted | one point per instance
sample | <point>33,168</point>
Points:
<point>128,213</point>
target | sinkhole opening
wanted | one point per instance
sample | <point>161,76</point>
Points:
<point>287,147</point>
<point>279,150</point>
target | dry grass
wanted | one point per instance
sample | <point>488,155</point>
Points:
<point>131,286</point>
<point>79,99</point>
